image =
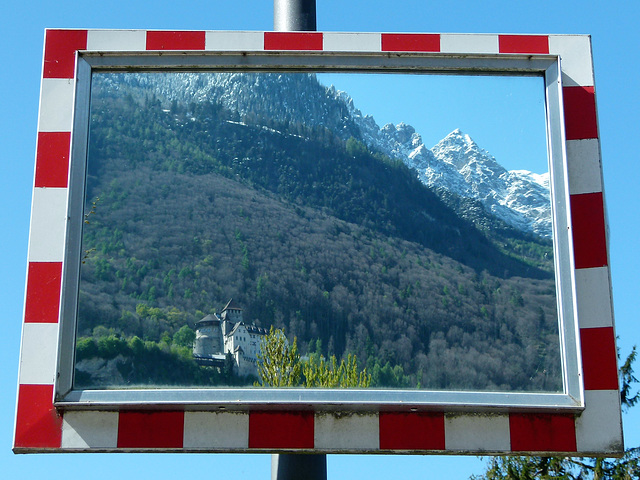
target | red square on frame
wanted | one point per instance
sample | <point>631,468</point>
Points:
<point>43,292</point>
<point>150,429</point>
<point>523,44</point>
<point>542,432</point>
<point>580,113</point>
<point>38,425</point>
<point>281,430</point>
<point>52,159</point>
<point>599,358</point>
<point>412,431</point>
<point>293,41</point>
<point>60,52</point>
<point>175,40</point>
<point>410,42</point>
<point>589,234</point>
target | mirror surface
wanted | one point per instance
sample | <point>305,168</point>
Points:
<point>404,220</point>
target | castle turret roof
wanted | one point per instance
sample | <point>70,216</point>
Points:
<point>231,305</point>
<point>211,318</point>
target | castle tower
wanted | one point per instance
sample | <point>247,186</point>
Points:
<point>231,314</point>
<point>208,337</point>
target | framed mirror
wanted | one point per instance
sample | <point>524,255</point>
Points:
<point>231,200</point>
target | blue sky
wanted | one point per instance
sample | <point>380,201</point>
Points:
<point>617,69</point>
<point>488,109</point>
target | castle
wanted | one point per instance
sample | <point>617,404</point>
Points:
<point>217,336</point>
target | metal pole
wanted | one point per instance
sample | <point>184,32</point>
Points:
<point>299,466</point>
<point>296,16</point>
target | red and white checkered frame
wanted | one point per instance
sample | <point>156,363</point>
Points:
<point>41,427</point>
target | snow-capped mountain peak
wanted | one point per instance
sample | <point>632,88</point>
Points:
<point>459,150</point>
<point>457,164</point>
<point>519,197</point>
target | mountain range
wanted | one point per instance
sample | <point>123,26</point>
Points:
<point>455,165</point>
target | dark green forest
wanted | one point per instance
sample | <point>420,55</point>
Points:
<point>190,204</point>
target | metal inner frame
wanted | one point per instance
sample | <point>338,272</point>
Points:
<point>218,399</point>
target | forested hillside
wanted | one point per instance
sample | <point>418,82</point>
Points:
<point>189,205</point>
